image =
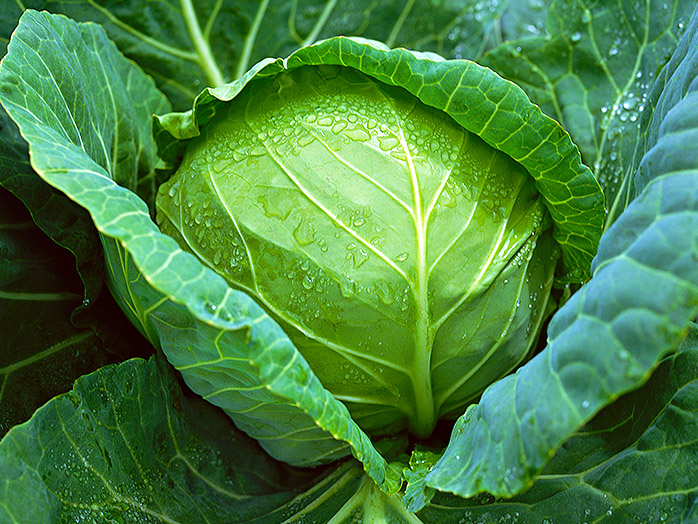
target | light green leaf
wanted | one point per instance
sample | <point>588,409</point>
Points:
<point>353,251</point>
<point>417,493</point>
<point>221,340</point>
<point>593,74</point>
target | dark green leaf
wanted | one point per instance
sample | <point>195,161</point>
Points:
<point>126,446</point>
<point>593,74</point>
<point>670,123</point>
<point>188,45</point>
<point>635,462</point>
<point>58,217</point>
<point>41,351</point>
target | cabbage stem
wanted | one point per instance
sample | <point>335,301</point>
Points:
<point>203,50</point>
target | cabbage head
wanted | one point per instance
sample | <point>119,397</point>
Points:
<point>409,260</point>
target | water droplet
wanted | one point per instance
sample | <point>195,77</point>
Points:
<point>358,134</point>
<point>402,257</point>
<point>339,127</point>
<point>305,140</point>
<point>308,282</point>
<point>576,36</point>
<point>304,233</point>
<point>630,103</point>
<point>384,292</point>
<point>258,150</point>
<point>386,143</point>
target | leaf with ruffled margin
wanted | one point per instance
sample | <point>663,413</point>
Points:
<point>219,338</point>
<point>633,462</point>
<point>593,74</point>
<point>604,342</point>
<point>496,110</point>
<point>187,45</point>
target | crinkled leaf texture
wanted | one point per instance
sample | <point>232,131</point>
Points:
<point>610,335</point>
<point>85,135</point>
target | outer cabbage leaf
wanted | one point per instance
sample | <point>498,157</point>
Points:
<point>200,323</point>
<point>500,445</point>
<point>670,122</point>
<point>633,462</point>
<point>126,445</point>
<point>55,327</point>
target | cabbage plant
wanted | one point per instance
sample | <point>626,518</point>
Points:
<point>323,264</point>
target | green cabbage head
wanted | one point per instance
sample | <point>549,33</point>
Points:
<point>408,260</point>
